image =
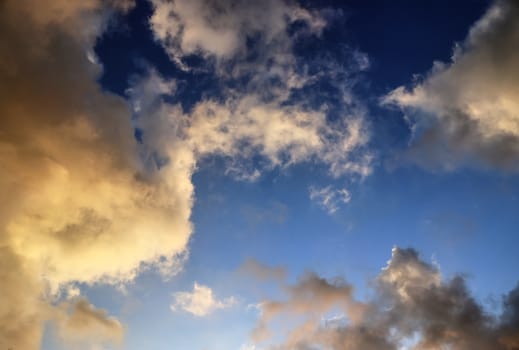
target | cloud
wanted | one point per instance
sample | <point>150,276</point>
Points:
<point>248,346</point>
<point>21,311</point>
<point>283,135</point>
<point>74,185</point>
<point>83,322</point>
<point>411,305</point>
<point>252,135</point>
<point>467,111</point>
<point>200,302</point>
<point>330,198</point>
<point>259,109</point>
<point>221,28</point>
<point>75,181</point>
<point>263,272</point>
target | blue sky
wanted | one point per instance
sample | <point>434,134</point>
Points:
<point>233,175</point>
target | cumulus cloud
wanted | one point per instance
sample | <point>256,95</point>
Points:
<point>200,302</point>
<point>329,198</point>
<point>467,111</point>
<point>411,307</point>
<point>74,187</point>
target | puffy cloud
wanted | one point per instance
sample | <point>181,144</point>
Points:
<point>411,307</point>
<point>200,302</point>
<point>467,110</point>
<point>74,188</point>
<point>330,198</point>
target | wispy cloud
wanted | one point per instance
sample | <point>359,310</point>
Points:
<point>257,110</point>
<point>329,198</point>
<point>200,302</point>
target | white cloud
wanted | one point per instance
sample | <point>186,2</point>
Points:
<point>200,302</point>
<point>329,198</point>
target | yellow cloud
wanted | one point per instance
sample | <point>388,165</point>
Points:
<point>77,203</point>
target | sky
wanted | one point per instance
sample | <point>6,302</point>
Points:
<point>271,175</point>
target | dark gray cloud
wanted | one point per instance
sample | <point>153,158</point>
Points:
<point>411,306</point>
